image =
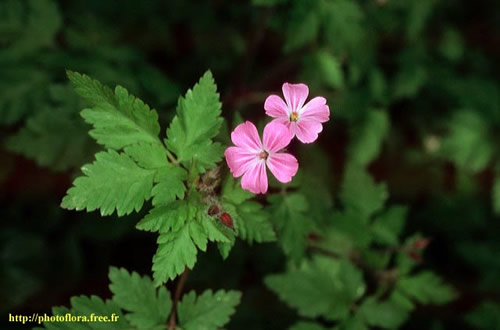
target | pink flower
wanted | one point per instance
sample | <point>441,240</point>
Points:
<point>250,156</point>
<point>303,120</point>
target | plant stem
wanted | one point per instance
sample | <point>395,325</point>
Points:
<point>171,157</point>
<point>172,323</point>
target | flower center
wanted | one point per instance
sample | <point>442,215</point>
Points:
<point>294,116</point>
<point>263,155</point>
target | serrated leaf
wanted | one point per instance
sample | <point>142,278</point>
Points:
<point>207,311</point>
<point>169,184</point>
<point>164,218</point>
<point>254,224</point>
<point>427,288</point>
<point>321,287</point>
<point>360,193</point>
<point>119,119</point>
<point>112,181</point>
<point>233,193</point>
<point>176,251</point>
<point>83,305</point>
<point>147,305</point>
<point>196,123</point>
<point>148,155</point>
<point>367,139</point>
<point>91,90</point>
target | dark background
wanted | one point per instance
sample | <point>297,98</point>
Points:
<point>426,62</point>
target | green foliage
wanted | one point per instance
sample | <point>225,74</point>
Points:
<point>360,194</point>
<point>469,144</point>
<point>119,120</point>
<point>289,214</point>
<point>426,287</point>
<point>86,306</point>
<point>368,138</point>
<point>146,305</point>
<point>207,311</point>
<point>113,182</point>
<point>183,227</point>
<point>138,304</point>
<point>320,287</point>
<point>197,122</point>
<point>250,219</point>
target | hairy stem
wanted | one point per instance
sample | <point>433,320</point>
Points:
<point>172,322</point>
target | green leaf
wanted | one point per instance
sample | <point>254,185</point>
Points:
<point>427,288</point>
<point>53,138</point>
<point>148,155</point>
<point>303,31</point>
<point>85,307</point>
<point>254,224</point>
<point>496,195</point>
<point>207,311</point>
<point>368,138</point>
<point>41,23</point>
<point>360,193</point>
<point>469,144</point>
<point>177,247</point>
<point>289,215</point>
<point>386,314</point>
<point>169,184</point>
<point>233,193</point>
<point>408,81</point>
<point>147,306</point>
<point>119,119</point>
<point>342,20</point>
<point>330,69</point>
<point>321,287</point>
<point>91,90</point>
<point>196,123</point>
<point>387,227</point>
<point>112,181</point>
<point>164,218</point>
<point>176,251</point>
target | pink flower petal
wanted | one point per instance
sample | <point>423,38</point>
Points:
<point>239,160</point>
<point>276,107</point>
<point>255,179</point>
<point>307,130</point>
<point>295,95</point>
<point>283,166</point>
<point>276,137</point>
<point>245,136</point>
<point>316,109</point>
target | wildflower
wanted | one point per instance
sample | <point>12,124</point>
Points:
<point>250,156</point>
<point>303,120</point>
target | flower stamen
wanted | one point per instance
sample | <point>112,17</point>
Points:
<point>263,155</point>
<point>294,116</point>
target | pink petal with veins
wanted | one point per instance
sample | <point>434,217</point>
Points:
<point>275,107</point>
<point>295,95</point>
<point>276,137</point>
<point>283,166</point>
<point>255,179</point>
